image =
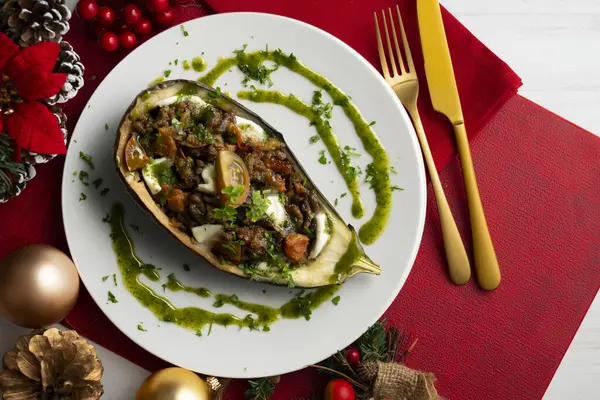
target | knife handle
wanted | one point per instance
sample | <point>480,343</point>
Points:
<point>456,255</point>
<point>486,264</point>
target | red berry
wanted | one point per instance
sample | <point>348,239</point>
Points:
<point>87,9</point>
<point>164,18</point>
<point>353,356</point>
<point>109,41</point>
<point>127,40</point>
<point>131,14</point>
<point>339,389</point>
<point>106,16</point>
<point>157,5</point>
<point>143,27</point>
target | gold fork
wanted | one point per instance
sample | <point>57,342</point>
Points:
<point>406,86</point>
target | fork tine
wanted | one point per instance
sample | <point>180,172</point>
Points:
<point>398,51</point>
<point>389,43</point>
<point>382,59</point>
<point>408,54</point>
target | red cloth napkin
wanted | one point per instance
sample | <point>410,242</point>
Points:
<point>538,178</point>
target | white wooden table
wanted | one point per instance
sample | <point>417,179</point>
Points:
<point>554,45</point>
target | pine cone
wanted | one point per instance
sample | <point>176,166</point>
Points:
<point>52,365</point>
<point>13,175</point>
<point>33,21</point>
<point>68,63</point>
<point>37,158</point>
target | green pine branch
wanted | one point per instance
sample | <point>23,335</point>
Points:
<point>260,389</point>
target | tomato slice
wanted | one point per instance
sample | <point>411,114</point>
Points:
<point>232,172</point>
<point>135,156</point>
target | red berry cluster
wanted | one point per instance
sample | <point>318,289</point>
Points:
<point>131,21</point>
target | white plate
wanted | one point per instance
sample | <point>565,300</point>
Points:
<point>291,344</point>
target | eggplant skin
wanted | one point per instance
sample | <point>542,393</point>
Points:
<point>312,274</point>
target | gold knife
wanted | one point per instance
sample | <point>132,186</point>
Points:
<point>445,99</point>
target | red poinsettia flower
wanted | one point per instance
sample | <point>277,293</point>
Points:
<point>26,75</point>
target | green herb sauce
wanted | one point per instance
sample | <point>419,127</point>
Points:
<point>194,318</point>
<point>174,285</point>
<point>198,64</point>
<point>252,64</point>
<point>323,129</point>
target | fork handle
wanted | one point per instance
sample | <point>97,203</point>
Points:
<point>456,256</point>
<point>486,264</point>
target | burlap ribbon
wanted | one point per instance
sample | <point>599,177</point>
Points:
<point>391,381</point>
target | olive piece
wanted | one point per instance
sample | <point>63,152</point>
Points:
<point>135,157</point>
<point>232,171</point>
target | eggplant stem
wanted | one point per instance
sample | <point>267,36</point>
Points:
<point>365,264</point>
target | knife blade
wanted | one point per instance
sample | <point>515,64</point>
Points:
<point>438,63</point>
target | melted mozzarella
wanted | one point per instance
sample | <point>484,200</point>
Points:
<point>251,131</point>
<point>150,173</point>
<point>206,234</point>
<point>322,236</point>
<point>276,211</point>
<point>209,175</point>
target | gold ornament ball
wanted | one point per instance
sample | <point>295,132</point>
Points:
<point>39,285</point>
<point>174,384</point>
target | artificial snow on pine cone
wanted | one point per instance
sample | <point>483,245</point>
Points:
<point>33,158</point>
<point>13,175</point>
<point>68,63</point>
<point>33,21</point>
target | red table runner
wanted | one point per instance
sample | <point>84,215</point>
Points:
<point>538,178</point>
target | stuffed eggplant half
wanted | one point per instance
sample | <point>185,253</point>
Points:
<point>223,182</point>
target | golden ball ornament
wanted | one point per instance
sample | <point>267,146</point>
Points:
<point>39,285</point>
<point>174,384</point>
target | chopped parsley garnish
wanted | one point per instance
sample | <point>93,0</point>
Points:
<point>370,173</point>
<point>322,159</point>
<point>185,33</point>
<point>104,278</point>
<point>217,94</point>
<point>186,65</point>
<point>112,298</point>
<point>335,300</point>
<point>258,207</point>
<point>372,123</point>
<point>396,187</point>
<point>104,191</point>
<point>83,177</point>
<point>350,170</point>
<point>343,195</point>
<point>234,192</point>
<point>266,328</point>
<point>218,304</point>
<point>97,183</point>
<point>82,196</point>
<point>393,170</point>
<point>74,173</point>
<point>115,279</point>
<point>227,213</point>
<point>203,133</point>
<point>314,139</point>
<point>176,61</point>
<point>86,159</point>
<point>167,73</point>
<point>253,69</point>
<point>199,333</point>
<point>186,267</point>
<point>106,126</point>
<point>323,110</point>
<point>141,328</point>
<point>167,177</point>
<point>335,203</point>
